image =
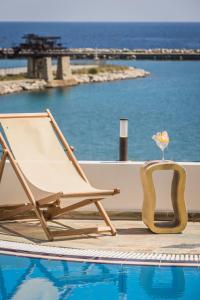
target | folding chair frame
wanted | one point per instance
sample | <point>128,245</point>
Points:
<point>52,202</point>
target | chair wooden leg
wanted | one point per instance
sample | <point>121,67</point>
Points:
<point>2,164</point>
<point>56,211</point>
<point>105,217</point>
<point>70,232</point>
<point>44,224</point>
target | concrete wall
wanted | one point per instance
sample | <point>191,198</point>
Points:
<point>125,176</point>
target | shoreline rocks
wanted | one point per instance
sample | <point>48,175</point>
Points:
<point>14,86</point>
<point>130,73</point>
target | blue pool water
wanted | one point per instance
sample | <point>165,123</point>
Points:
<point>40,279</point>
<point>89,114</point>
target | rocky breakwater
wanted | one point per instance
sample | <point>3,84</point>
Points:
<point>14,86</point>
<point>81,74</point>
<point>103,75</point>
<point>125,53</point>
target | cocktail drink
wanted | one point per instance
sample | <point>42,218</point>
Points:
<point>162,141</point>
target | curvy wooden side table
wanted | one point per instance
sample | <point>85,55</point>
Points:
<point>179,222</point>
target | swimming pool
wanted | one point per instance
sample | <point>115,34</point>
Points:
<point>42,279</point>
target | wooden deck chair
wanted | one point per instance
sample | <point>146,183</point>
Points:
<point>42,158</point>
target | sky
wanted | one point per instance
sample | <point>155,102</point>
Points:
<point>101,10</point>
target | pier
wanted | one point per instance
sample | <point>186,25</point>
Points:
<point>151,54</point>
<point>105,54</point>
<point>39,51</point>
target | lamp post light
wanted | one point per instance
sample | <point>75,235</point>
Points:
<point>123,140</point>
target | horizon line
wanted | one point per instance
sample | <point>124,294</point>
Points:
<point>64,21</point>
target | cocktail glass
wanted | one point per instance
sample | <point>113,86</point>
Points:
<point>162,141</point>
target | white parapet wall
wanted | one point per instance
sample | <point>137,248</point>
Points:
<point>126,177</point>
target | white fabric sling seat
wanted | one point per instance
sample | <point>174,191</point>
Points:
<point>42,158</point>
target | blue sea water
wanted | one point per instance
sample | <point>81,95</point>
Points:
<point>107,35</point>
<point>88,114</point>
<point>169,99</point>
<point>36,279</point>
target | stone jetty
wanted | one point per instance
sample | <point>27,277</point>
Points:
<point>125,53</point>
<point>14,86</point>
<point>111,53</point>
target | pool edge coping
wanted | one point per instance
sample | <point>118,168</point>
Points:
<point>99,256</point>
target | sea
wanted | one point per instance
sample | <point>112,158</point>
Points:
<point>107,35</point>
<point>89,114</point>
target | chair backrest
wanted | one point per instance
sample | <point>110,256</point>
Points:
<point>40,154</point>
<point>33,139</point>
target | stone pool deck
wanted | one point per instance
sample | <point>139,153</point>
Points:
<point>131,236</point>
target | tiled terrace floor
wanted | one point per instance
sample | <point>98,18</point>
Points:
<point>131,236</point>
